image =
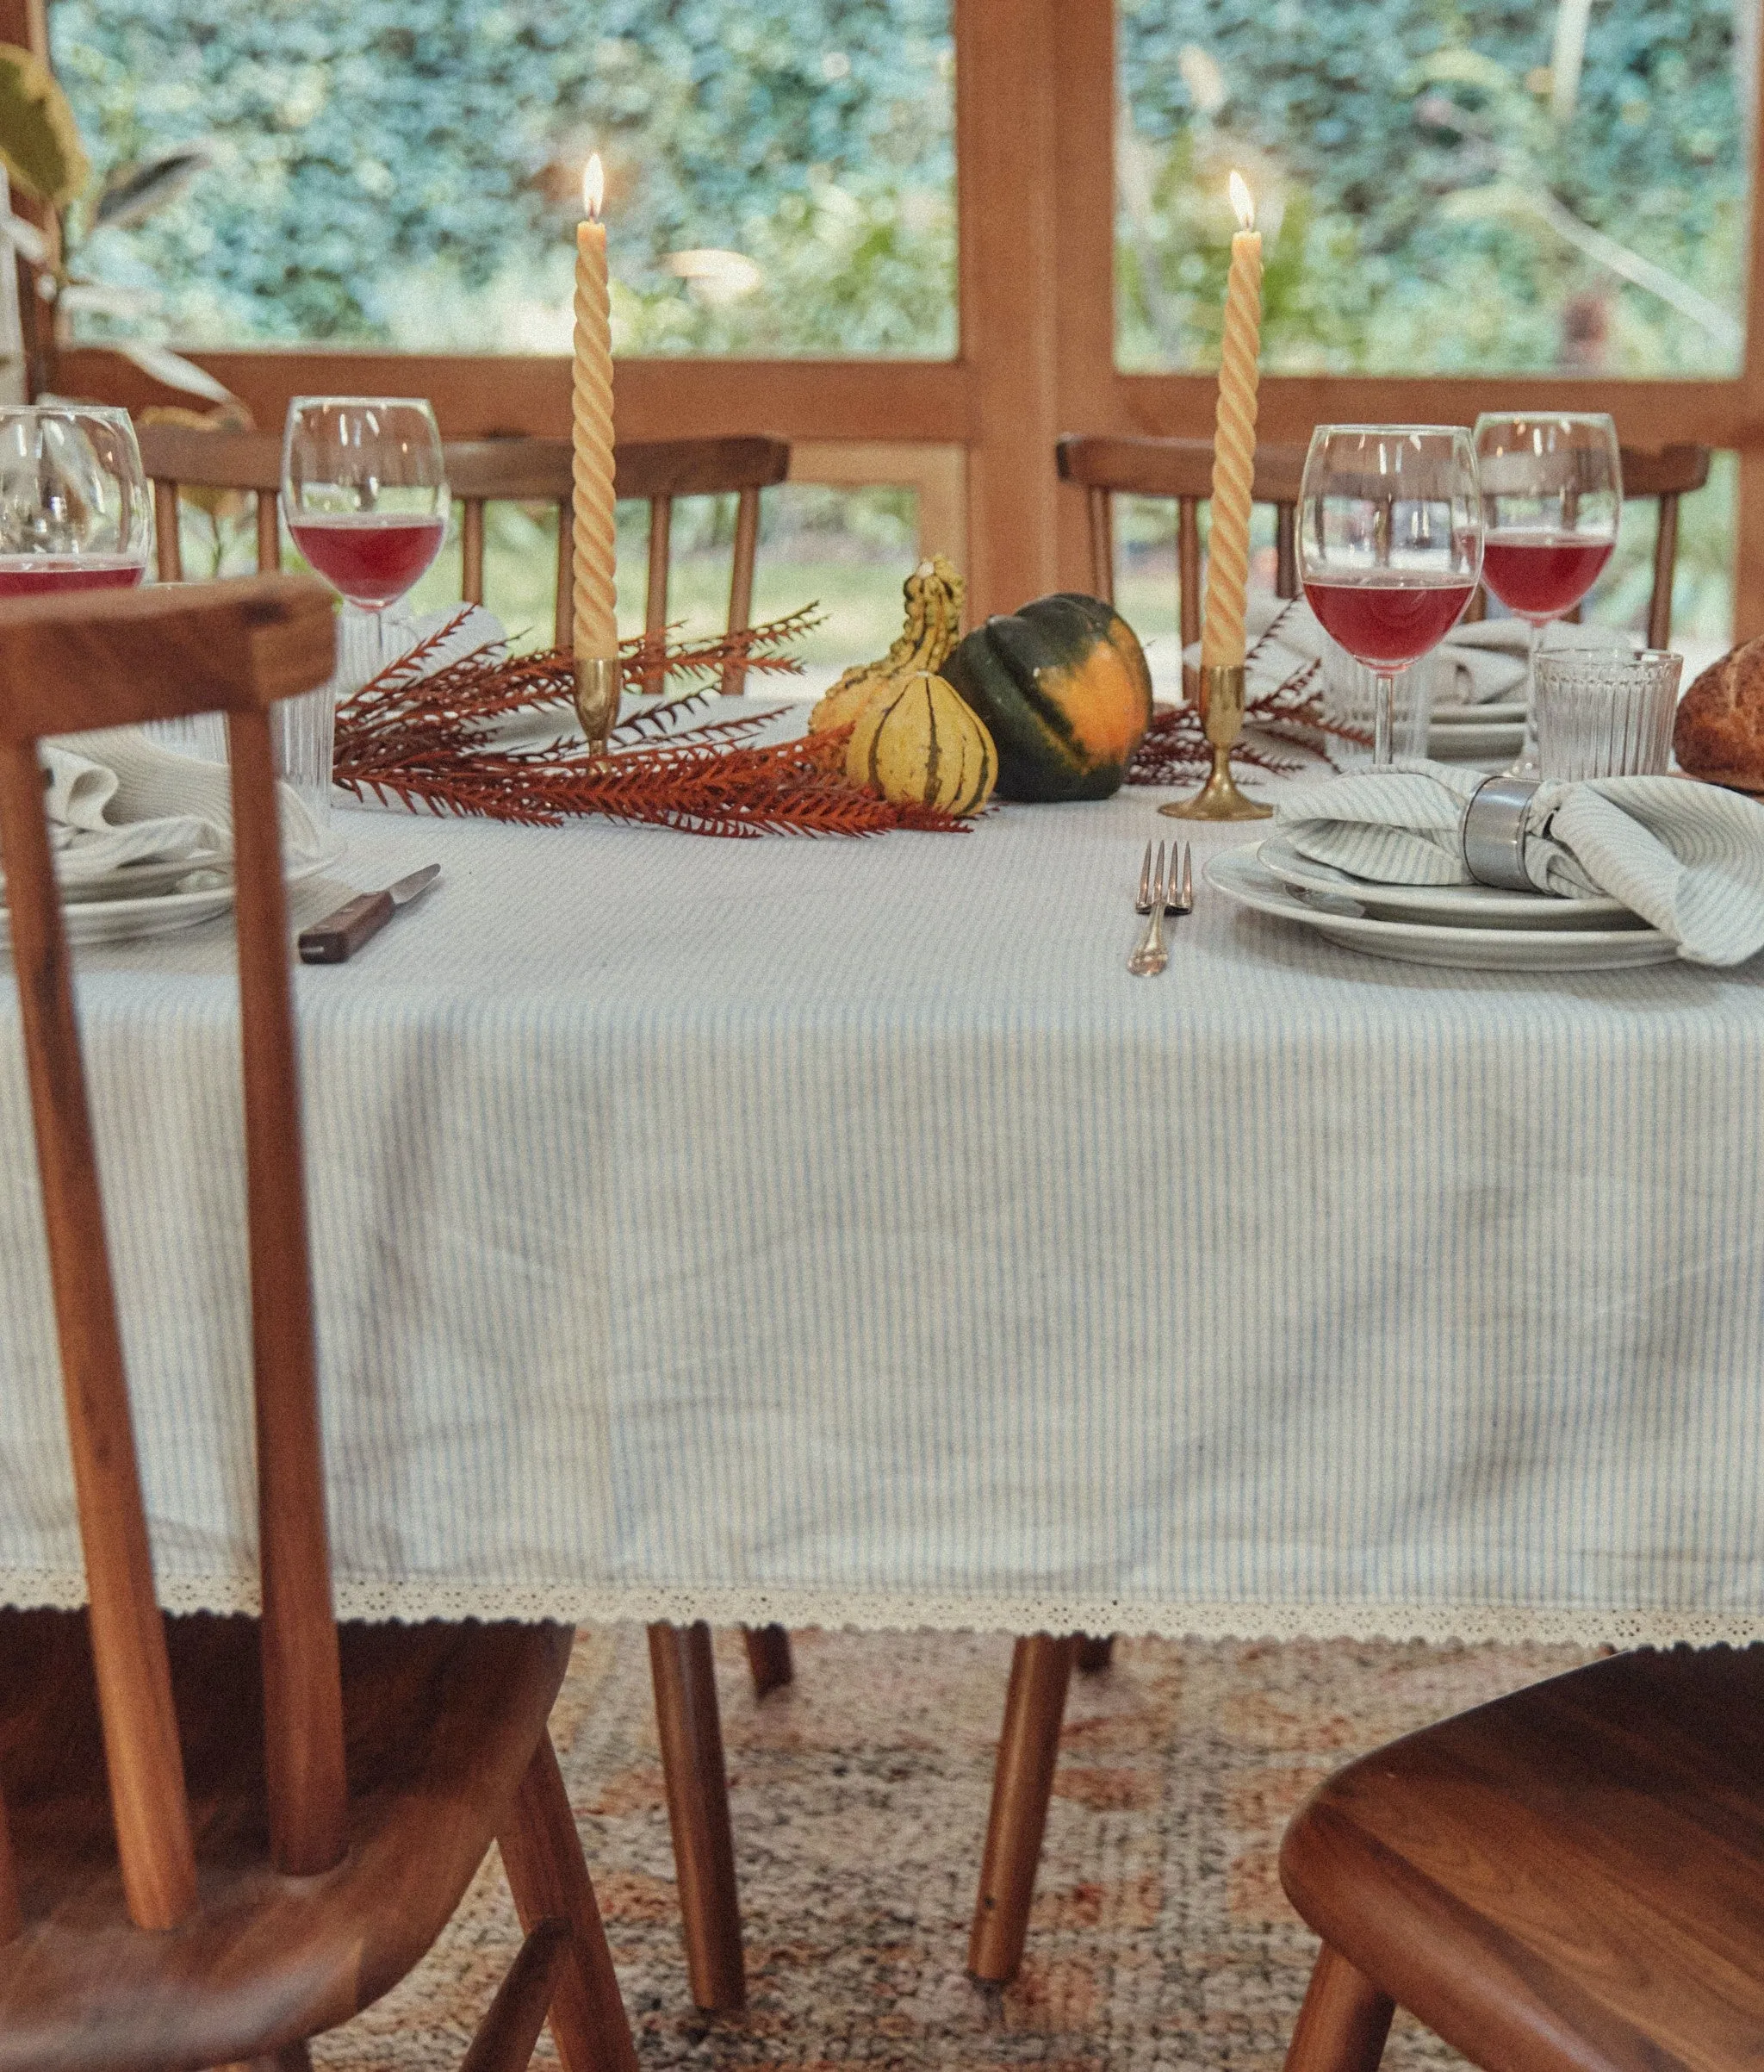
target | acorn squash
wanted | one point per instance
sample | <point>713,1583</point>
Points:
<point>933,595</point>
<point>920,744</point>
<point>1062,688</point>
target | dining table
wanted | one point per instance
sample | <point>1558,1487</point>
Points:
<point>833,1233</point>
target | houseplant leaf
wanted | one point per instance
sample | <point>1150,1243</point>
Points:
<point>172,369</point>
<point>40,140</point>
<point>131,193</point>
<point>25,239</point>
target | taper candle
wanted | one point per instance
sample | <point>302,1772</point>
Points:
<point>593,600</point>
<point>1234,444</point>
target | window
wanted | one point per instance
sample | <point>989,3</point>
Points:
<point>1446,185</point>
<point>407,172</point>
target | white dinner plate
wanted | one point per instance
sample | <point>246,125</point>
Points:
<point>1241,877</point>
<point>135,880</point>
<point>1503,712</point>
<point>89,920</point>
<point>1442,905</point>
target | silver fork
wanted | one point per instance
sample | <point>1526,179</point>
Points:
<point>1151,956</point>
<point>1180,901</point>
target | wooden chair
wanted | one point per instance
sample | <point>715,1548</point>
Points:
<point>1568,1880</point>
<point>490,471</point>
<point>226,1835</point>
<point>1182,469</point>
<point>538,470</point>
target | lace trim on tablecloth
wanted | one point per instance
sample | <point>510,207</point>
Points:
<point>907,1611</point>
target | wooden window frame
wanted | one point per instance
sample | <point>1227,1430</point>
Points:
<point>1035,113</point>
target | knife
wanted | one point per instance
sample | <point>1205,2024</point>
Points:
<point>338,935</point>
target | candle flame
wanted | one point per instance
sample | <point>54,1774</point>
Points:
<point>594,187</point>
<point>1244,202</point>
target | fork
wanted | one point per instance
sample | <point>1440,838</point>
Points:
<point>1183,901</point>
<point>1151,956</point>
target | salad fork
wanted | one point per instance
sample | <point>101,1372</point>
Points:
<point>1181,900</point>
<point>1150,957</point>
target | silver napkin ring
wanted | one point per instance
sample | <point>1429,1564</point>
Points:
<point>1494,832</point>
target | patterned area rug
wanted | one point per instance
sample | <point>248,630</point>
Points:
<point>1160,1935</point>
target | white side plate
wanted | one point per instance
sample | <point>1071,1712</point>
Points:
<point>1240,877</point>
<point>1442,905</point>
<point>88,920</point>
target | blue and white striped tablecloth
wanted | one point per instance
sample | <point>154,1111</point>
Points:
<point>834,1232</point>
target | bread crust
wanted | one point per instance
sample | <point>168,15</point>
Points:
<point>1718,734</point>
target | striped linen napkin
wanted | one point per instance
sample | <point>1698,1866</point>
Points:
<point>1688,858</point>
<point>115,797</point>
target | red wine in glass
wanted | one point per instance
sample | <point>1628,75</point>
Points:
<point>371,559</point>
<point>45,575</point>
<point>1542,576</point>
<point>1384,621</point>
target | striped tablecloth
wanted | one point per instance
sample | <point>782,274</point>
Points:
<point>836,1232</point>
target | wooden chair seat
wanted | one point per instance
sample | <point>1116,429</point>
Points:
<point>439,1722</point>
<point>1572,1877</point>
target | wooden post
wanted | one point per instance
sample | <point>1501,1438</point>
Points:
<point>1005,121</point>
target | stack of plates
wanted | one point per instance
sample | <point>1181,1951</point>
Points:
<point>1478,733</point>
<point>1475,926</point>
<point>155,898</point>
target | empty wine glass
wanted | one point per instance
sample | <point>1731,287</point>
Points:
<point>1552,495</point>
<point>75,510</point>
<point>364,493</point>
<point>1390,545</point>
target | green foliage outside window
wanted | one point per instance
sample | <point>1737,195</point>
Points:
<point>407,172</point>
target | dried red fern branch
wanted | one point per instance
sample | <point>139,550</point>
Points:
<point>425,733</point>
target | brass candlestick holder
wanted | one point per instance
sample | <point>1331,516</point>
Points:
<point>1221,722</point>
<point>597,693</point>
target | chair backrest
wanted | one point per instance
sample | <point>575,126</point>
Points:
<point>118,659</point>
<point>1182,469</point>
<point>515,470</point>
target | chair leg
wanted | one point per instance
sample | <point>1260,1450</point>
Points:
<point>506,2037</point>
<point>769,1657</point>
<point>1093,1655</point>
<point>698,1813</point>
<point>1344,2022</point>
<point>541,1853</point>
<point>1029,1743</point>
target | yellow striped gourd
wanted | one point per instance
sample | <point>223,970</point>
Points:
<point>919,744</point>
<point>933,595</point>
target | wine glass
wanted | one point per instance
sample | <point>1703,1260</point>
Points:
<point>1552,495</point>
<point>76,512</point>
<point>364,493</point>
<point>1390,545</point>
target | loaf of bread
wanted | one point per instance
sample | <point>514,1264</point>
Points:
<point>1719,732</point>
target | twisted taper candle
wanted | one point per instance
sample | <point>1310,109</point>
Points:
<point>1233,459</point>
<point>592,553</point>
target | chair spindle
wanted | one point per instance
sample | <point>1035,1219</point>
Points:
<point>471,540</point>
<point>170,546</point>
<point>741,582</point>
<point>655,592</point>
<point>269,532</point>
<point>302,1688</point>
<point>1102,505</point>
<point>1665,567</point>
<point>148,1800</point>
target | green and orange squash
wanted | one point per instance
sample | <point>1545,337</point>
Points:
<point>1062,688</point>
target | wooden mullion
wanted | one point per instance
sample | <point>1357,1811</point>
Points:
<point>1649,414</point>
<point>1006,121</point>
<point>1083,310</point>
